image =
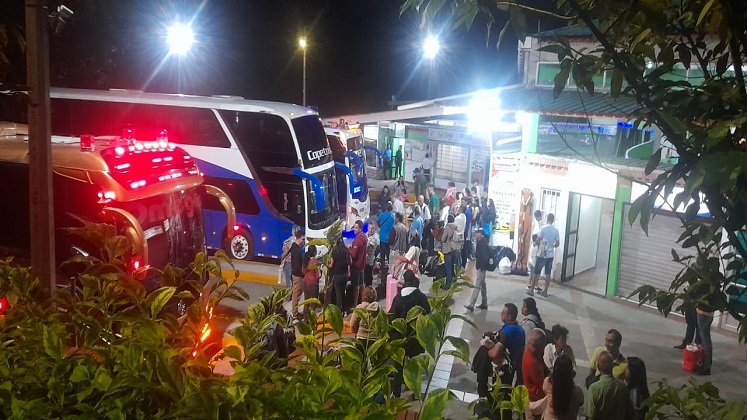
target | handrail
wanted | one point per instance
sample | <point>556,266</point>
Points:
<point>227,204</point>
<point>134,231</point>
<point>349,173</point>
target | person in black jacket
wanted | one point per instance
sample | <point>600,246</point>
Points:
<point>482,261</point>
<point>409,297</point>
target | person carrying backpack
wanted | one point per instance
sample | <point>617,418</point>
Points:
<point>482,263</point>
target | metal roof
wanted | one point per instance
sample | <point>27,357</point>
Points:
<point>570,103</point>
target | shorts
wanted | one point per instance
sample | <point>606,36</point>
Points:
<point>356,278</point>
<point>543,263</point>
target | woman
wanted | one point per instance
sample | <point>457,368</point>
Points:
<point>562,397</point>
<point>311,276</point>
<point>558,346</point>
<point>635,376</point>
<point>384,199</point>
<point>358,325</point>
<point>488,217</point>
<point>339,268</point>
<point>408,261</point>
<point>532,318</point>
<point>450,246</point>
<point>400,189</point>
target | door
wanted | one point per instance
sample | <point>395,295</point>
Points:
<point>571,237</point>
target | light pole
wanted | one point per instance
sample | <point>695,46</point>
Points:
<point>303,45</point>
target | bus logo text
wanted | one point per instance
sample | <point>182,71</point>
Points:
<point>318,154</point>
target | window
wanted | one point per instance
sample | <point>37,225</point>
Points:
<point>549,201</point>
<point>546,73</point>
<point>239,192</point>
<point>196,126</point>
<point>452,162</point>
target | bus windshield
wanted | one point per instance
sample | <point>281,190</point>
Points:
<point>321,219</point>
<point>312,142</point>
<point>355,145</point>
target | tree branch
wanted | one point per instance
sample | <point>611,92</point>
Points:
<point>534,9</point>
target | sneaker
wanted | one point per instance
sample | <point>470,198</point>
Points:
<point>483,307</point>
<point>543,293</point>
<point>538,289</point>
<point>680,346</point>
<point>529,287</point>
<point>530,292</point>
<point>469,308</point>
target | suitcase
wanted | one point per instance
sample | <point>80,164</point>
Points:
<point>392,289</point>
<point>692,357</point>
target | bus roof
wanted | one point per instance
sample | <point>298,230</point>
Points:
<point>215,102</point>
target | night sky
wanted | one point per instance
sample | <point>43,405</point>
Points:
<point>361,52</point>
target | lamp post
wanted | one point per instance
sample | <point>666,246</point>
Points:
<point>303,45</point>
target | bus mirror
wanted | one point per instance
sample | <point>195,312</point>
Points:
<point>351,179</point>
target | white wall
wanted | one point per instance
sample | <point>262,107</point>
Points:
<point>588,233</point>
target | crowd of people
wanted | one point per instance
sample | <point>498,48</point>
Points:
<point>525,352</point>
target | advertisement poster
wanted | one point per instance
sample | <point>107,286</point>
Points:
<point>503,188</point>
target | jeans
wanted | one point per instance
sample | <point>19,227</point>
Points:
<point>466,252</point>
<point>368,275</point>
<point>479,287</point>
<point>691,318</point>
<point>704,330</point>
<point>340,281</point>
<point>384,251</point>
<point>296,292</point>
<point>356,280</point>
<point>449,260</point>
<point>287,275</point>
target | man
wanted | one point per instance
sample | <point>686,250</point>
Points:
<point>482,260</point>
<point>427,166</point>
<point>533,368</point>
<point>401,243</point>
<point>548,239</point>
<point>460,220</point>
<point>386,224</point>
<point>358,251</point>
<point>425,213</point>
<point>612,343</point>
<point>450,248</point>
<point>433,201</point>
<point>409,297</point>
<point>285,260</point>
<point>416,227</point>
<point>489,360</point>
<point>388,163</point>
<point>420,181</point>
<point>398,163</point>
<point>373,244</point>
<point>608,398</point>
<point>296,256</point>
<point>467,245</point>
<point>450,195</point>
<point>512,336</point>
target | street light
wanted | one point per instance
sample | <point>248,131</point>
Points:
<point>180,38</point>
<point>431,46</point>
<point>303,45</point>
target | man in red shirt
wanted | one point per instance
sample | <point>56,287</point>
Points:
<point>358,261</point>
<point>533,368</point>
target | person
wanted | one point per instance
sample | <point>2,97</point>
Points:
<point>296,256</point>
<point>416,227</point>
<point>409,261</point>
<point>400,189</point>
<point>358,325</point>
<point>532,318</point>
<point>562,397</point>
<point>558,347</point>
<point>425,213</point>
<point>311,276</point>
<point>398,162</point>
<point>433,201</point>
<point>635,376</point>
<point>445,213</point>
<point>532,262</point>
<point>512,336</point>
<point>388,163</point>
<point>397,205</point>
<point>460,220</point>
<point>409,297</point>
<point>691,331</point>
<point>704,314</point>
<point>449,247</point>
<point>450,195</point>
<point>358,261</point>
<point>386,224</point>
<point>384,198</point>
<point>427,166</point>
<point>548,239</point>
<point>285,259</point>
<point>467,244</point>
<point>400,232</point>
<point>612,343</point>
<point>482,260</point>
<point>420,181</point>
<point>533,369</point>
<point>487,215</point>
<point>490,361</point>
<point>372,245</point>
<point>537,224</point>
<point>607,399</point>
<point>339,268</point>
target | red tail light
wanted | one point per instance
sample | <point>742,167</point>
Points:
<point>4,305</point>
<point>87,143</point>
<point>106,196</point>
<point>147,163</point>
<point>236,228</point>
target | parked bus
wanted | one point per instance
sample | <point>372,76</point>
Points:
<point>271,158</point>
<point>150,191</point>
<point>352,182</point>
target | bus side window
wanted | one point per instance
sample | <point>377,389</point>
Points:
<point>239,191</point>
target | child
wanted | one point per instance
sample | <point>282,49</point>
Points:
<point>311,275</point>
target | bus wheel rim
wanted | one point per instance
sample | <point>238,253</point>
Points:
<point>239,247</point>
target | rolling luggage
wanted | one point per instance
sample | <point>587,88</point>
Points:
<point>392,289</point>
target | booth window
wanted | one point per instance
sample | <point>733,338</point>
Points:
<point>549,201</point>
<point>452,163</point>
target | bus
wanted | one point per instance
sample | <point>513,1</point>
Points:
<point>352,181</point>
<point>151,192</point>
<point>272,159</point>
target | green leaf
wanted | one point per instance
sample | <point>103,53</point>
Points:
<point>704,11</point>
<point>520,398</point>
<point>80,374</point>
<point>518,21</point>
<point>333,315</point>
<point>558,49</point>
<point>158,299</point>
<point>52,343</point>
<point>103,380</point>
<point>427,334</point>
<point>413,377</point>
<point>561,79</point>
<point>653,161</point>
<point>435,404</point>
<point>234,352</point>
<point>617,80</point>
<point>685,55</point>
<point>462,348</point>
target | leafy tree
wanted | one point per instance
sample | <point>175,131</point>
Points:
<point>704,120</point>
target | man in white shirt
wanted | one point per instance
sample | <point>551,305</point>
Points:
<point>548,239</point>
<point>425,213</point>
<point>461,223</point>
<point>397,205</point>
<point>427,166</point>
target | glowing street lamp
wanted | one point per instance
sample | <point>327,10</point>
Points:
<point>302,44</point>
<point>431,46</point>
<point>180,38</point>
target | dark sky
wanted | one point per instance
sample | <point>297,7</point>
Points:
<point>361,52</point>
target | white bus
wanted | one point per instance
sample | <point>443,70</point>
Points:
<point>272,159</point>
<point>352,181</point>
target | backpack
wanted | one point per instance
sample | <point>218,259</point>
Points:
<point>541,325</point>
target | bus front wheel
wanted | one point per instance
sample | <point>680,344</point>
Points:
<point>241,246</point>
